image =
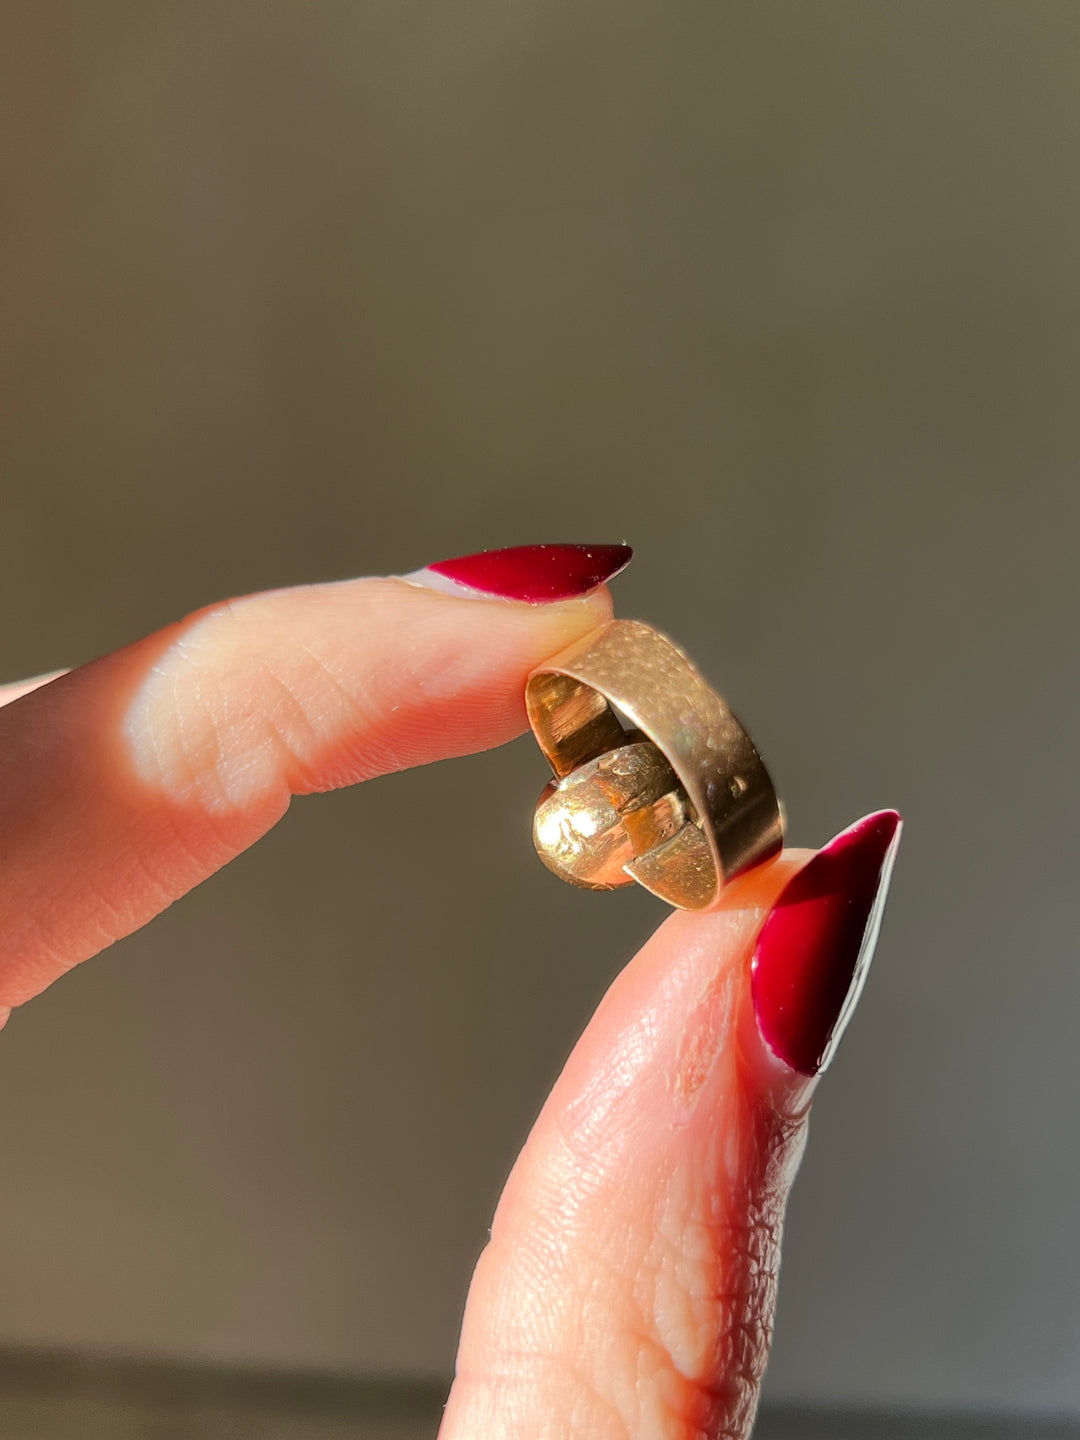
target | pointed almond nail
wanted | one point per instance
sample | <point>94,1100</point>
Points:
<point>536,573</point>
<point>816,944</point>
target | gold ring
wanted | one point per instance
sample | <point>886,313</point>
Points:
<point>678,799</point>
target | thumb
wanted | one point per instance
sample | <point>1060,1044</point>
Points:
<point>629,1283</point>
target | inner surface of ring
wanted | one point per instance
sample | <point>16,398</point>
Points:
<point>617,810</point>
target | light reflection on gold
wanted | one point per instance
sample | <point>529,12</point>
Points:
<point>680,803</point>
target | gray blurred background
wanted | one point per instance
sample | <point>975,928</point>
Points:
<point>787,295</point>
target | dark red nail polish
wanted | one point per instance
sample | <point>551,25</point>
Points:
<point>536,572</point>
<point>814,950</point>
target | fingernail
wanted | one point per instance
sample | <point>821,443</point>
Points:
<point>536,573</point>
<point>815,948</point>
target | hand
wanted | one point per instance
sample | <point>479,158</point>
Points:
<point>628,1287</point>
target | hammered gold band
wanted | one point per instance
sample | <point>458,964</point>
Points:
<point>681,802</point>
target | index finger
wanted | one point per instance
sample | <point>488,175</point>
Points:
<point>126,782</point>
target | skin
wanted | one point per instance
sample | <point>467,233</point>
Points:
<point>628,1287</point>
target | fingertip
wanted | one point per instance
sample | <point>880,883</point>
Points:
<point>573,614</point>
<point>650,1194</point>
<point>145,771</point>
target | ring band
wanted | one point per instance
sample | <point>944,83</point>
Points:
<point>680,802</point>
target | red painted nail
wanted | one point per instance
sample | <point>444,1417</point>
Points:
<point>814,950</point>
<point>530,572</point>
